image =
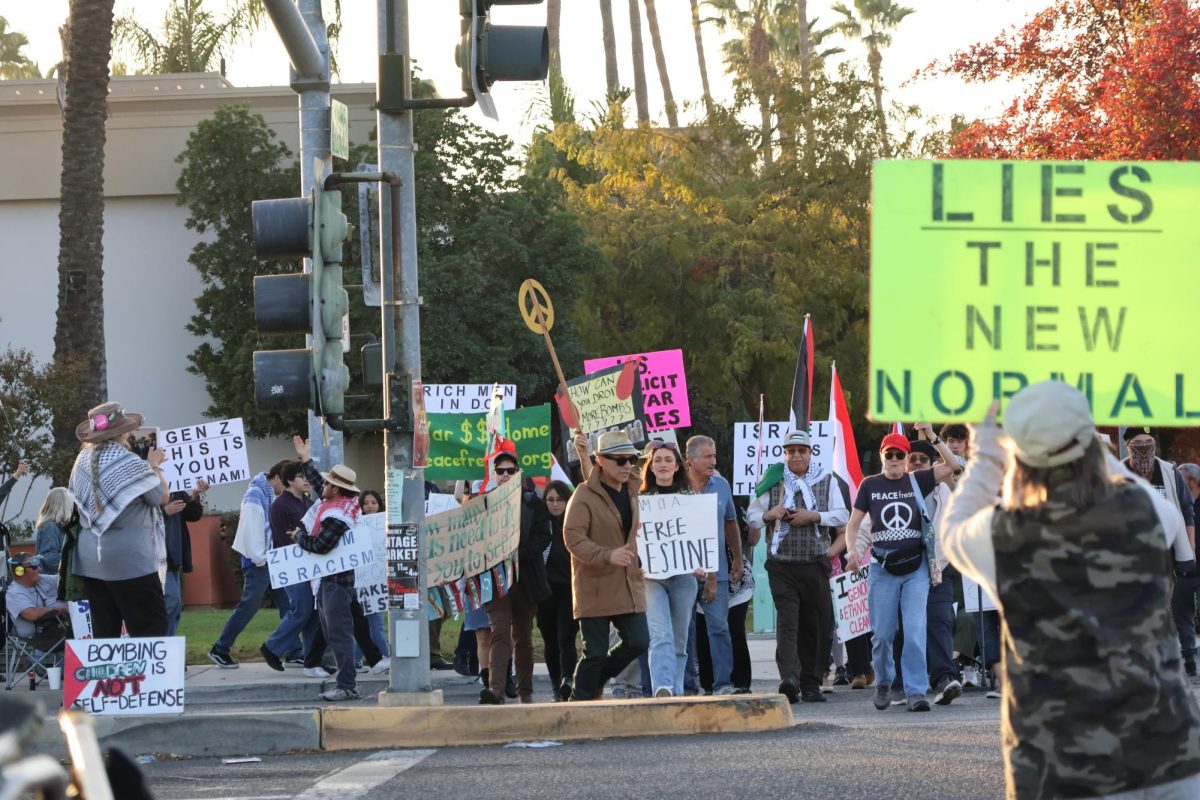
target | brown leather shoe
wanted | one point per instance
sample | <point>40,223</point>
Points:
<point>870,677</point>
<point>859,682</point>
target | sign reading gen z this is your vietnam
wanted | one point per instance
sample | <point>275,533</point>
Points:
<point>987,276</point>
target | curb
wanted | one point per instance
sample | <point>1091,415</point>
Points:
<point>448,726</point>
<point>237,734</point>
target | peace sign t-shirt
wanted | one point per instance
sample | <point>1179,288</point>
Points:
<point>895,515</point>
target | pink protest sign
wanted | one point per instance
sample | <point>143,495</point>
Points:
<point>664,386</point>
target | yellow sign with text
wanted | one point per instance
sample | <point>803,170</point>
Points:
<point>987,276</point>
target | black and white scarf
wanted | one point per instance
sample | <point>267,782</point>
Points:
<point>123,477</point>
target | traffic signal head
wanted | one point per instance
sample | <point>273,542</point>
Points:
<point>490,53</point>
<point>311,302</point>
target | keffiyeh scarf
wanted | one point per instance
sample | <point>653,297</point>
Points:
<point>120,478</point>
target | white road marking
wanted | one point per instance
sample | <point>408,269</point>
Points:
<point>357,780</point>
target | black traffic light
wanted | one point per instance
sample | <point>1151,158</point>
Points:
<point>490,53</point>
<point>309,302</point>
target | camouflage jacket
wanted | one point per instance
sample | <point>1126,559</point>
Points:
<point>1096,701</point>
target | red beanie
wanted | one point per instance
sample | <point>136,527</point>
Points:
<point>896,440</point>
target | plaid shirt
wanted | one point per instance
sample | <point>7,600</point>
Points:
<point>325,539</point>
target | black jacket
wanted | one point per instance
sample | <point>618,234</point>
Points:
<point>535,538</point>
<point>558,563</point>
<point>179,540</point>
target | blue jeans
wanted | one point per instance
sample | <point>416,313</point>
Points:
<point>670,604</point>
<point>285,640</point>
<point>337,621</point>
<point>720,642</point>
<point>887,596</point>
<point>257,582</point>
<point>379,634</point>
<point>173,597</point>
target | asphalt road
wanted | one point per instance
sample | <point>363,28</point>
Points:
<point>843,747</point>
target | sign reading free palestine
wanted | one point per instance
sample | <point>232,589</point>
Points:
<point>987,276</point>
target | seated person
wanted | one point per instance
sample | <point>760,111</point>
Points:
<point>32,599</point>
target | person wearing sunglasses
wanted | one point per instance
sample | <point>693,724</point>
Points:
<point>903,560</point>
<point>802,510</point>
<point>511,616</point>
<point>607,581</point>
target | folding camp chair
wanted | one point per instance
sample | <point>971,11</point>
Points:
<point>31,656</point>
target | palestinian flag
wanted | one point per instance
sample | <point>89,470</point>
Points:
<point>845,452</point>
<point>801,413</point>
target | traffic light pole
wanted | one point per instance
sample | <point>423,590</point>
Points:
<point>327,444</point>
<point>400,305</point>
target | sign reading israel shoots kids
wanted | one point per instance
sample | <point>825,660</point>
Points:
<point>123,677</point>
<point>476,536</point>
<point>678,534</point>
<point>214,451</point>
<point>458,443</point>
<point>664,386</point>
<point>745,450</point>
<point>356,548</point>
<point>990,275</point>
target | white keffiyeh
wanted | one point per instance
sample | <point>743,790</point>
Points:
<point>123,477</point>
<point>794,484</point>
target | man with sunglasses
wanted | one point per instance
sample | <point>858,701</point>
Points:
<point>903,565</point>
<point>32,597</point>
<point>606,578</point>
<point>802,509</point>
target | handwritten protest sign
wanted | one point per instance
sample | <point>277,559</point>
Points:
<point>214,451</point>
<point>289,565</point>
<point>476,536</point>
<point>437,502</point>
<point>600,409</point>
<point>745,450</point>
<point>459,442</point>
<point>1032,271</point>
<point>466,398</point>
<point>664,386</point>
<point>850,603</point>
<point>370,580</point>
<point>123,677</point>
<point>677,534</point>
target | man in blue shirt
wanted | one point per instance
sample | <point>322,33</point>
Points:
<point>702,473</point>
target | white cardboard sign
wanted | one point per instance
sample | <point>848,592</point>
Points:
<point>370,580</point>
<point>745,450</point>
<point>850,609</point>
<point>677,534</point>
<point>290,565</point>
<point>124,677</point>
<point>466,398</point>
<point>214,451</point>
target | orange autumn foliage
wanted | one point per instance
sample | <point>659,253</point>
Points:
<point>1100,79</point>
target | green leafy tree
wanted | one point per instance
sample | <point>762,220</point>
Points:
<point>31,393</point>
<point>15,65</point>
<point>481,231</point>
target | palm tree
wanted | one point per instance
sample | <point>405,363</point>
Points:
<point>748,56</point>
<point>15,65</point>
<point>553,16</point>
<point>611,78</point>
<point>708,103</point>
<point>639,62</point>
<point>79,330</point>
<point>872,22</point>
<point>192,39</point>
<point>660,61</point>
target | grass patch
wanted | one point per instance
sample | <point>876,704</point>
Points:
<point>201,627</point>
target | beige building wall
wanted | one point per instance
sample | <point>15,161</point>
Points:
<point>149,286</point>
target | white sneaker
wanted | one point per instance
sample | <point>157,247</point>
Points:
<point>316,672</point>
<point>826,689</point>
<point>664,691</point>
<point>381,666</point>
<point>993,694</point>
<point>969,678</point>
<point>725,690</point>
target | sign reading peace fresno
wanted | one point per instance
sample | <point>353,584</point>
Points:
<point>987,276</point>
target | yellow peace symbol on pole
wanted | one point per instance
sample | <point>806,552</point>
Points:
<point>536,308</point>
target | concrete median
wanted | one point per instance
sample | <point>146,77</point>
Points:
<point>366,728</point>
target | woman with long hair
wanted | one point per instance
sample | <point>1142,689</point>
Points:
<point>56,515</point>
<point>670,602</point>
<point>1077,556</point>
<point>555,617</point>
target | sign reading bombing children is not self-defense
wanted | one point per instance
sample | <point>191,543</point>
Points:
<point>987,276</point>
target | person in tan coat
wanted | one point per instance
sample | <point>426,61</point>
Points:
<point>600,532</point>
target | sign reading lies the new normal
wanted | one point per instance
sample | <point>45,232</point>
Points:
<point>987,276</point>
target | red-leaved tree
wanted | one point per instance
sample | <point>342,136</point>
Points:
<point>1100,79</point>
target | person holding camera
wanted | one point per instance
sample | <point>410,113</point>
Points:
<point>122,541</point>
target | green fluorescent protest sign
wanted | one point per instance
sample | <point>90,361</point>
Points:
<point>458,443</point>
<point>990,275</point>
